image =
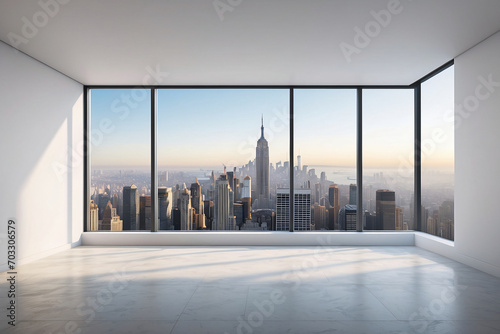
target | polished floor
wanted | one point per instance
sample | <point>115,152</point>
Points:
<point>252,290</point>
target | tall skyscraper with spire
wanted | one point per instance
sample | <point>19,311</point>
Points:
<point>262,162</point>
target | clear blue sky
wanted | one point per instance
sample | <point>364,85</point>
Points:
<point>202,128</point>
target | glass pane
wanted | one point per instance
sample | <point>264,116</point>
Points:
<point>222,156</point>
<point>438,155</point>
<point>325,143</point>
<point>388,149</point>
<point>120,148</point>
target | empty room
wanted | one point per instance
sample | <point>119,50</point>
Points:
<point>237,166</point>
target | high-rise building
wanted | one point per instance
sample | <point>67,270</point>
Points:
<point>208,208</point>
<point>116,202</point>
<point>322,177</point>
<point>239,214</point>
<point>353,194</point>
<point>110,220</point>
<point>237,189</point>
<point>116,223</point>
<point>102,201</point>
<point>385,209</point>
<point>221,212</point>
<point>369,221</point>
<point>197,205</point>
<point>196,197</point>
<point>347,218</point>
<point>262,162</point>
<point>176,218</point>
<point>176,195</point>
<point>94,217</point>
<point>130,208</point>
<point>165,208</point>
<point>301,210</point>
<point>186,210</point>
<point>299,162</point>
<point>246,194</point>
<point>334,207</point>
<point>317,193</point>
<point>145,213</point>
<point>319,217</point>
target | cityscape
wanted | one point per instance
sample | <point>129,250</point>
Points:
<point>255,197</point>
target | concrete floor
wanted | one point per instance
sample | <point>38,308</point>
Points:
<point>251,290</point>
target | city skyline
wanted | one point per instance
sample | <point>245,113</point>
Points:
<point>322,203</point>
<point>210,139</point>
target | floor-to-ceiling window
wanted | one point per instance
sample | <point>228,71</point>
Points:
<point>388,149</point>
<point>120,162</point>
<point>325,149</point>
<point>437,147</point>
<point>223,159</point>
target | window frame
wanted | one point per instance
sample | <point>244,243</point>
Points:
<point>415,86</point>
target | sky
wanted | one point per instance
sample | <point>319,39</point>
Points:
<point>206,128</point>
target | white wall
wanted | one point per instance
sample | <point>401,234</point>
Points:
<point>477,156</point>
<point>42,189</point>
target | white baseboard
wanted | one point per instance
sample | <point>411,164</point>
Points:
<point>269,238</point>
<point>447,248</point>
<point>40,255</point>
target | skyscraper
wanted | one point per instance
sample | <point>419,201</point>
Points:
<point>102,201</point>
<point>145,212</point>
<point>333,211</point>
<point>186,209</point>
<point>317,192</point>
<point>386,209</point>
<point>197,204</point>
<point>94,217</point>
<point>116,202</point>
<point>301,212</point>
<point>130,208</point>
<point>246,193</point>
<point>221,212</point>
<point>196,197</point>
<point>353,194</point>
<point>319,217</point>
<point>347,218</point>
<point>165,208</point>
<point>262,162</point>
<point>208,208</point>
<point>247,187</point>
<point>231,179</point>
<point>110,220</point>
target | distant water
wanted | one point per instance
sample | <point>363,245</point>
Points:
<point>337,174</point>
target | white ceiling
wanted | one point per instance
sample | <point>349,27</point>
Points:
<point>262,42</point>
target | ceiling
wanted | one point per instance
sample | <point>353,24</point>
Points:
<point>252,42</point>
